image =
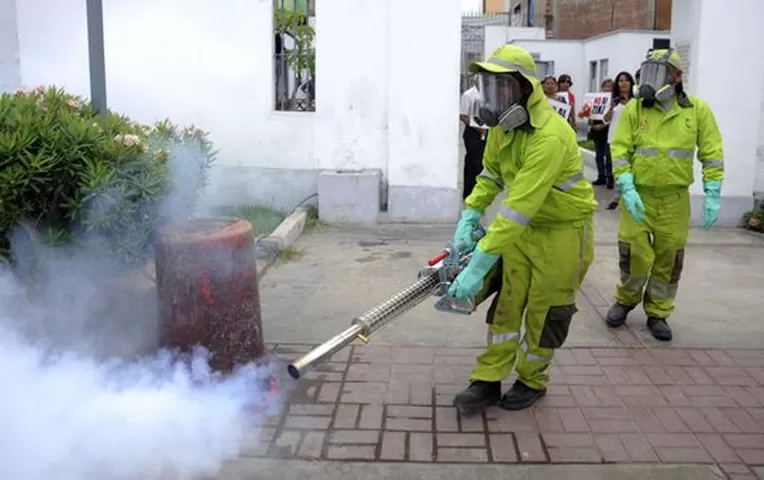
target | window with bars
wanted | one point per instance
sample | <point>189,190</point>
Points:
<point>294,56</point>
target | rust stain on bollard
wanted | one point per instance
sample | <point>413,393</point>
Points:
<point>206,277</point>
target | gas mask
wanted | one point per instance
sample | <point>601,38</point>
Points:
<point>501,94</point>
<point>656,83</point>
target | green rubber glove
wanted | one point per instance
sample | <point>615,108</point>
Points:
<point>465,229</point>
<point>470,280</point>
<point>631,198</point>
<point>711,206</point>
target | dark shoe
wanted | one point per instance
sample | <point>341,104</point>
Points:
<point>609,183</point>
<point>612,205</point>
<point>599,181</point>
<point>617,314</point>
<point>478,396</point>
<point>659,328</point>
<point>520,396</point>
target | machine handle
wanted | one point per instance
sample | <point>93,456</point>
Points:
<point>434,260</point>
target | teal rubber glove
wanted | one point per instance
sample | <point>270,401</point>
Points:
<point>711,206</point>
<point>631,198</point>
<point>470,280</point>
<point>465,229</point>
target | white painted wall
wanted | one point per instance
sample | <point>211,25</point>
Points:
<point>497,35</point>
<point>195,62</point>
<point>701,24</point>
<point>624,50</point>
<point>567,55</point>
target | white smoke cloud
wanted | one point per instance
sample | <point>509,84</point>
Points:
<point>85,395</point>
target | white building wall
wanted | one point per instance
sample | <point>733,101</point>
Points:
<point>697,27</point>
<point>194,62</point>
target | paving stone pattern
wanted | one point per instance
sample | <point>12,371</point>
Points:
<point>608,405</point>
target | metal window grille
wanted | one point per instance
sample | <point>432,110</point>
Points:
<point>294,56</point>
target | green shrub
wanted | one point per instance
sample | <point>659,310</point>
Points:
<point>74,174</point>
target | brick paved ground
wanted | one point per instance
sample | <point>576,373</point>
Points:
<point>606,405</point>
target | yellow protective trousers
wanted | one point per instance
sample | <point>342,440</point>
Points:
<point>538,278</point>
<point>651,253</point>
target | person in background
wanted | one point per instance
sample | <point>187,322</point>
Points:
<point>564,83</point>
<point>598,133</point>
<point>474,136</point>
<point>549,84</point>
<point>653,149</point>
<point>622,95</point>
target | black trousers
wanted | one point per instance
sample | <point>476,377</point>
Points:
<point>603,160</point>
<point>473,160</point>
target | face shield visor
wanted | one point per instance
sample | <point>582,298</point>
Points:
<point>501,94</point>
<point>655,81</point>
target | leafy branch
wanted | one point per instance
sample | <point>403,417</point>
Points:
<point>294,23</point>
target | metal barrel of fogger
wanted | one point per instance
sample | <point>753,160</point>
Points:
<point>370,322</point>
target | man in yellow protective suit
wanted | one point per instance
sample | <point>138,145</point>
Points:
<point>653,149</point>
<point>538,248</point>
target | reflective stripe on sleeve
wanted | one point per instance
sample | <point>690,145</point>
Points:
<point>514,215</point>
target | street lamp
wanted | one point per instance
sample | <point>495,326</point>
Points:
<point>96,56</point>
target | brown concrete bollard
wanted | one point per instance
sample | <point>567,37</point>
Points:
<point>206,278</point>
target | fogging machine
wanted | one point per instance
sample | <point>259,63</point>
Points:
<point>434,279</point>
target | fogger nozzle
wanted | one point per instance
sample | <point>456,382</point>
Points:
<point>324,351</point>
<point>370,322</point>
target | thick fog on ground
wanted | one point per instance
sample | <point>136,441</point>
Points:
<point>85,395</point>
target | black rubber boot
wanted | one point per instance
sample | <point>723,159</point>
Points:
<point>612,205</point>
<point>617,314</point>
<point>520,396</point>
<point>599,181</point>
<point>610,184</point>
<point>659,328</point>
<point>477,396</point>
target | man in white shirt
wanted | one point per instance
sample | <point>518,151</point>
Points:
<point>474,136</point>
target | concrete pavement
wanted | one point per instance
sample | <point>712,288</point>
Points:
<point>619,403</point>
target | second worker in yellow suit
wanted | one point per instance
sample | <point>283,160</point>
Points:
<point>653,150</point>
<point>538,248</point>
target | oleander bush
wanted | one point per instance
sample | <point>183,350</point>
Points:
<point>74,175</point>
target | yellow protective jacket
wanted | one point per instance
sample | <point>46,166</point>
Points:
<point>658,146</point>
<point>542,170</point>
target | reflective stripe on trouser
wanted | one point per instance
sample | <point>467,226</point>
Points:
<point>651,254</point>
<point>540,277</point>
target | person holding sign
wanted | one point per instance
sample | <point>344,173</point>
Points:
<point>540,245</point>
<point>653,150</point>
<point>598,133</point>
<point>557,101</point>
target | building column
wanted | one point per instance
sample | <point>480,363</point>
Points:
<point>10,66</point>
<point>724,67</point>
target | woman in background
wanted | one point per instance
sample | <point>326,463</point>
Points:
<point>549,85</point>
<point>564,82</point>
<point>623,93</point>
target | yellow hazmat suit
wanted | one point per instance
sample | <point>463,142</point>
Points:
<point>656,145</point>
<point>543,233</point>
